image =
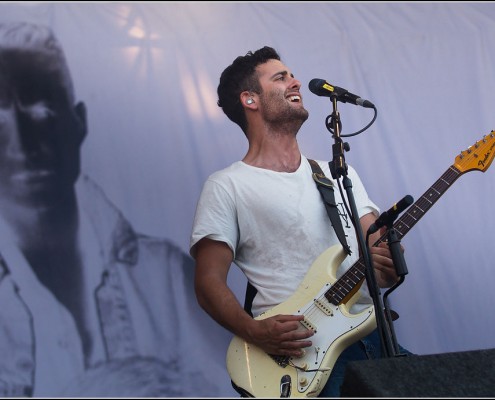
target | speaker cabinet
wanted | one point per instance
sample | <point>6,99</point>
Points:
<point>463,374</point>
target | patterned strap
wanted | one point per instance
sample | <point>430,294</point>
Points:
<point>325,187</point>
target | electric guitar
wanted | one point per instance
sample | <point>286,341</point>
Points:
<point>325,303</point>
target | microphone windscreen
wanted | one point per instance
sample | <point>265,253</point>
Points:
<point>316,86</point>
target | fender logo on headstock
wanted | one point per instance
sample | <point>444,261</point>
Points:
<point>487,157</point>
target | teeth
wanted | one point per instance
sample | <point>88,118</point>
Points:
<point>295,98</point>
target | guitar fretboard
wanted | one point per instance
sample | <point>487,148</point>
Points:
<point>348,284</point>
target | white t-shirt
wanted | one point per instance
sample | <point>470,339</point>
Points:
<point>276,225</point>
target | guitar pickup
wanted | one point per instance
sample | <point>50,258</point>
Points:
<point>324,306</point>
<point>307,324</point>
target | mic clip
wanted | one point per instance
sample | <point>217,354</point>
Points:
<point>388,217</point>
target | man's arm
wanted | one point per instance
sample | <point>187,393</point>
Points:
<point>275,335</point>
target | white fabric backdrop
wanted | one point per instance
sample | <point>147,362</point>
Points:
<point>148,73</point>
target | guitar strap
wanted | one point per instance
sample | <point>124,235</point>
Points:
<point>325,187</point>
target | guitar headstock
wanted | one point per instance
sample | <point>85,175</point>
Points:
<point>478,156</point>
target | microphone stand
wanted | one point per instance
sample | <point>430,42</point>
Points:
<point>338,168</point>
<point>401,269</point>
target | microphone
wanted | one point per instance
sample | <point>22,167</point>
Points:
<point>389,216</point>
<point>321,87</point>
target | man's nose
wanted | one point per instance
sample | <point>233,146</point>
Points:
<point>26,131</point>
<point>295,83</point>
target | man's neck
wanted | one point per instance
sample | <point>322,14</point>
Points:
<point>274,152</point>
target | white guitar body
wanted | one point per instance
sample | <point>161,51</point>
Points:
<point>261,375</point>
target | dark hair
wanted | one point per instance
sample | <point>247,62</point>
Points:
<point>30,37</point>
<point>238,77</point>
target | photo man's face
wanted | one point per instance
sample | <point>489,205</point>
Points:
<point>40,130</point>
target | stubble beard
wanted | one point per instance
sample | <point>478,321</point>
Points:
<point>281,116</point>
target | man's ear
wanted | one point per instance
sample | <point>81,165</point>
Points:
<point>81,120</point>
<point>247,99</point>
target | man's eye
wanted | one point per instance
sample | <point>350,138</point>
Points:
<point>39,111</point>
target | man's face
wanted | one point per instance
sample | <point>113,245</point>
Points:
<point>40,130</point>
<point>281,99</point>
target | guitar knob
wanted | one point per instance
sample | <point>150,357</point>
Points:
<point>303,381</point>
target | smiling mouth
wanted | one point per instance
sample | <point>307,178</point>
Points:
<point>294,99</point>
<point>33,176</point>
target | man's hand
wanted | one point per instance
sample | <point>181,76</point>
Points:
<point>281,335</point>
<point>385,272</point>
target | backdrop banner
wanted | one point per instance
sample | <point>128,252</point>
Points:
<point>109,126</point>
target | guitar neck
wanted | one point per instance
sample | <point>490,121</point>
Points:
<point>348,284</point>
<point>417,210</point>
